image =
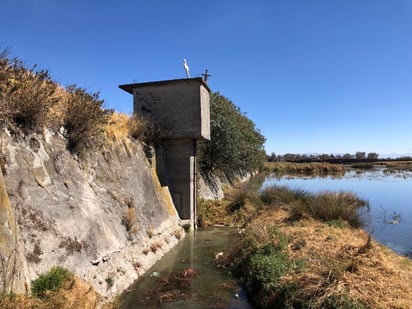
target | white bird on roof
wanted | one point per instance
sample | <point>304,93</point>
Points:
<point>186,67</point>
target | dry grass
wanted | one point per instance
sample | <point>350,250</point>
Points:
<point>130,220</point>
<point>325,206</point>
<point>31,101</point>
<point>397,165</point>
<point>224,213</point>
<point>315,168</point>
<point>74,294</point>
<point>150,232</point>
<point>179,234</point>
<point>154,246</point>
<point>340,263</point>
<point>84,118</point>
<point>117,128</point>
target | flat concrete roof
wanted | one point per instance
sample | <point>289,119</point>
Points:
<point>129,87</point>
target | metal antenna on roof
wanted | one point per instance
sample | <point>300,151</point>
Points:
<point>205,76</point>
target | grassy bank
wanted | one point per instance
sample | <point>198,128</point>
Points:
<point>302,250</point>
<point>396,166</point>
<point>57,288</point>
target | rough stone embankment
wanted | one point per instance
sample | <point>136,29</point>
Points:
<point>101,214</point>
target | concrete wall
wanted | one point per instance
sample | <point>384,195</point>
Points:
<point>180,107</point>
<point>71,211</point>
<point>177,159</point>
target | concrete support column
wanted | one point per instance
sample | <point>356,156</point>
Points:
<point>177,168</point>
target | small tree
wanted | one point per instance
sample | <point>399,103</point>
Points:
<point>235,145</point>
<point>272,157</point>
<point>360,155</point>
<point>373,155</point>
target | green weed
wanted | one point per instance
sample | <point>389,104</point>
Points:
<point>53,280</point>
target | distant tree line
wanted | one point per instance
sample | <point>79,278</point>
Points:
<point>347,157</point>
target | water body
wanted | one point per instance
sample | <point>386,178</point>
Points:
<point>389,215</point>
<point>187,277</point>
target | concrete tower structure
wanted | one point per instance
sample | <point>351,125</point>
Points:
<point>180,108</point>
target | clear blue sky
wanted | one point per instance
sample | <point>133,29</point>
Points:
<point>330,76</point>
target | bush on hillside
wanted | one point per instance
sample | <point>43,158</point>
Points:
<point>30,101</point>
<point>235,145</point>
<point>145,130</point>
<point>26,96</point>
<point>84,118</point>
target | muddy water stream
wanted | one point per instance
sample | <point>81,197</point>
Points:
<point>187,276</point>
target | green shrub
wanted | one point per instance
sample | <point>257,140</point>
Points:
<point>235,145</point>
<point>263,265</point>
<point>266,270</point>
<point>53,280</point>
<point>344,302</point>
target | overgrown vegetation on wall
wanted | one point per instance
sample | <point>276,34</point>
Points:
<point>235,144</point>
<point>31,101</point>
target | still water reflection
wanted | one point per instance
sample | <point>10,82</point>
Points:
<point>389,216</point>
<point>188,278</point>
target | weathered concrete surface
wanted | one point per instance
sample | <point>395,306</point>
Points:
<point>210,186</point>
<point>11,264</point>
<point>180,107</point>
<point>106,208</point>
<point>177,168</point>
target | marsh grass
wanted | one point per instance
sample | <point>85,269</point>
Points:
<point>331,206</point>
<point>312,264</point>
<point>363,165</point>
<point>324,206</point>
<point>396,166</point>
<point>282,195</point>
<point>314,168</point>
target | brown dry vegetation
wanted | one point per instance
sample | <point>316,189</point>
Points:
<point>315,168</point>
<point>287,259</point>
<point>340,263</point>
<point>396,165</point>
<point>31,101</point>
<point>74,294</point>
